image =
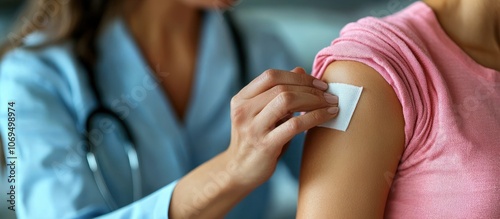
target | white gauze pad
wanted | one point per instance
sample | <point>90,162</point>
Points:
<point>348,100</point>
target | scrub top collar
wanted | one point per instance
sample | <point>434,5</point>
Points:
<point>216,58</point>
<point>124,73</point>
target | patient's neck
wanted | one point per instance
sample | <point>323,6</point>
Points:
<point>474,26</point>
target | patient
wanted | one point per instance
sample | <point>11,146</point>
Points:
<point>424,141</point>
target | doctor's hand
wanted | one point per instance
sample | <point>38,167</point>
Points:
<point>261,127</point>
<point>262,122</point>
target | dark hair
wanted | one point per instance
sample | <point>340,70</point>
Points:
<point>61,20</point>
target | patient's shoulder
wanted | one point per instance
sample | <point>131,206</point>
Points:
<point>409,24</point>
<point>392,46</point>
<point>398,39</point>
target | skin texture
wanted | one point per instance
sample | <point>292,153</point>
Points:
<point>167,33</point>
<point>472,25</point>
<point>345,174</point>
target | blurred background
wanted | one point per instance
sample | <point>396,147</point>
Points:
<point>305,26</point>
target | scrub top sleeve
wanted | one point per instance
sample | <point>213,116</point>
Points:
<point>53,179</point>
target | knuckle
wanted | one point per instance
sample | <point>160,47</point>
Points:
<point>322,102</point>
<point>294,124</point>
<point>280,89</point>
<point>286,98</point>
<point>238,115</point>
<point>316,92</point>
<point>234,101</point>
<point>270,75</point>
<point>318,116</point>
<point>318,95</point>
<point>306,78</point>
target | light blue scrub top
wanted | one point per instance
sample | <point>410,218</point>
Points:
<point>53,99</point>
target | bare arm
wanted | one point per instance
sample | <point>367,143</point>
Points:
<point>343,173</point>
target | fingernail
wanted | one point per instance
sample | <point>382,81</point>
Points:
<point>320,84</point>
<point>333,110</point>
<point>331,99</point>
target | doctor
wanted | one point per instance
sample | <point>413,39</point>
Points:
<point>174,136</point>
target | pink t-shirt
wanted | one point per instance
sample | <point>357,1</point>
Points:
<point>451,164</point>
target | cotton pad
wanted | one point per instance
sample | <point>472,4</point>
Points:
<point>348,100</point>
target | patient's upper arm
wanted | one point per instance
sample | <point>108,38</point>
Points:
<point>345,174</point>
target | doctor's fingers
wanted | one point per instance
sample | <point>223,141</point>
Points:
<point>272,77</point>
<point>291,102</point>
<point>287,130</point>
<point>321,98</point>
<point>299,70</point>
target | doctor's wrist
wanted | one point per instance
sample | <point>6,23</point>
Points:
<point>237,173</point>
<point>244,175</point>
<point>212,189</point>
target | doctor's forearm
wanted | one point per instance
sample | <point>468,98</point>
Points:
<point>210,191</point>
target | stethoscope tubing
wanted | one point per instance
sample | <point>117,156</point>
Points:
<point>130,150</point>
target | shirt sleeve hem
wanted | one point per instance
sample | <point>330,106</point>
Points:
<point>161,209</point>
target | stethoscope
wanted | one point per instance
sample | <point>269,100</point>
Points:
<point>129,146</point>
